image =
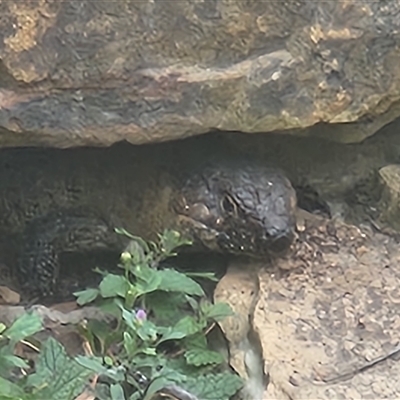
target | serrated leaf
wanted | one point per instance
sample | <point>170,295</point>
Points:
<point>150,285</point>
<point>9,390</point>
<point>186,326</point>
<point>57,377</point>
<point>143,272</point>
<point>116,391</point>
<point>25,326</point>
<point>166,307</point>
<point>189,325</point>
<point>217,311</point>
<point>86,296</point>
<point>169,333</point>
<point>174,281</point>
<point>199,357</point>
<point>113,285</point>
<point>198,341</point>
<point>220,386</point>
<point>210,386</point>
<point>165,375</point>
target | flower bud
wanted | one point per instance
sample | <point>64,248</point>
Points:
<point>126,257</point>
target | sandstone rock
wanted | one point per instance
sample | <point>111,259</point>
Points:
<point>390,201</point>
<point>93,73</point>
<point>327,314</point>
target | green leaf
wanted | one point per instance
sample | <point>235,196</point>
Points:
<point>130,318</point>
<point>3,327</point>
<point>147,331</point>
<point>199,357</point>
<point>169,333</point>
<point>115,374</point>
<point>189,325</point>
<point>171,240</point>
<point>143,272</point>
<point>197,341</point>
<point>108,361</point>
<point>156,385</point>
<point>186,326</point>
<point>150,351</point>
<point>217,311</point>
<point>9,361</point>
<point>9,390</point>
<point>148,362</point>
<point>92,363</point>
<point>57,377</point>
<point>194,304</point>
<point>164,375</point>
<point>111,306</point>
<point>136,396</point>
<point>174,281</point>
<point>220,386</point>
<point>150,285</point>
<point>26,325</point>
<point>102,331</point>
<point>86,296</point>
<point>166,307</point>
<point>116,391</point>
<point>113,285</point>
<point>130,344</point>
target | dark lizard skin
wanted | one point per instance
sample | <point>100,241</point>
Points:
<point>54,201</point>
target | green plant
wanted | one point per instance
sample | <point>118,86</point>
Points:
<point>56,375</point>
<point>158,339</point>
<point>163,318</point>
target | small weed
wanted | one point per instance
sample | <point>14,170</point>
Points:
<point>159,341</point>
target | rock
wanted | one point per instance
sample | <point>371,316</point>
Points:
<point>389,205</point>
<point>330,327</point>
<point>240,289</point>
<point>94,73</point>
<point>327,313</point>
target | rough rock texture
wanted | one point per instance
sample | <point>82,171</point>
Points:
<point>95,72</point>
<point>327,314</point>
<point>389,204</point>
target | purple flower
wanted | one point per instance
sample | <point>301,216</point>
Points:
<point>141,315</point>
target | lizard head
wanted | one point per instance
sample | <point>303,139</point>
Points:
<point>239,207</point>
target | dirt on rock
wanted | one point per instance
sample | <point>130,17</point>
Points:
<point>326,314</point>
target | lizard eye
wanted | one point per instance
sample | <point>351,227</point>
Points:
<point>228,205</point>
